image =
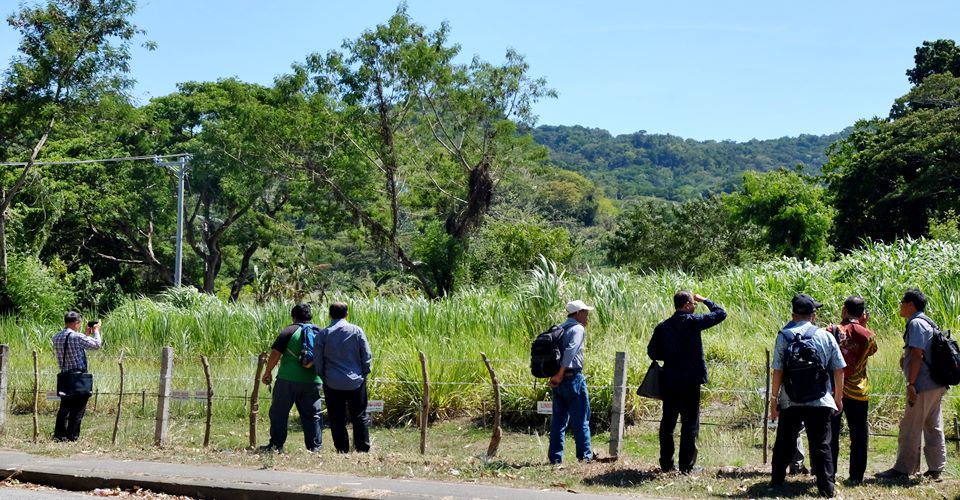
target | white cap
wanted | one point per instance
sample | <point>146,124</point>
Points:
<point>577,306</point>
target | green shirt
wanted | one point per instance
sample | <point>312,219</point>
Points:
<point>289,345</point>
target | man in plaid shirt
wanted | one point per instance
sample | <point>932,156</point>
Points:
<point>69,346</point>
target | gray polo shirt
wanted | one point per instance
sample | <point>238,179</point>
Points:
<point>919,334</point>
<point>829,353</point>
<point>342,356</point>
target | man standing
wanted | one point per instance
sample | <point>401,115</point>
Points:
<point>343,360</point>
<point>678,342</point>
<point>922,415</point>
<point>857,344</point>
<point>810,397</point>
<point>70,347</point>
<point>571,403</point>
<point>295,385</point>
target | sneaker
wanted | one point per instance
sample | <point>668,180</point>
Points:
<point>891,474</point>
<point>269,448</point>
<point>933,475</point>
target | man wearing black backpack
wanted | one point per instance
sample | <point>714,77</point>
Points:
<point>808,366</point>
<point>678,342</point>
<point>296,384</point>
<point>922,416</point>
<point>571,402</point>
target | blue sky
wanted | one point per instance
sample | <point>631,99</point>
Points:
<point>704,70</point>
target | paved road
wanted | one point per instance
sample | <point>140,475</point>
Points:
<point>86,473</point>
<point>22,494</point>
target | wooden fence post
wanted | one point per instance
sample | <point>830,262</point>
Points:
<point>956,433</point>
<point>116,421</point>
<point>255,400</point>
<point>425,405</point>
<point>163,398</point>
<point>766,408</point>
<point>36,397</point>
<point>143,402</point>
<point>619,404</point>
<point>497,431</point>
<point>206,373</point>
<point>96,397</point>
<point>4,383</point>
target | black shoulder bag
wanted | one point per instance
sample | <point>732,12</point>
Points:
<point>73,382</point>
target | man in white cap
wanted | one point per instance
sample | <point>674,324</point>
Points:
<point>571,403</point>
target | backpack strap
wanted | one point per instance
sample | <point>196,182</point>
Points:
<point>300,331</point>
<point>63,352</point>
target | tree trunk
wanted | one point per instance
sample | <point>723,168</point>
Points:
<point>211,266</point>
<point>3,247</point>
<point>244,273</point>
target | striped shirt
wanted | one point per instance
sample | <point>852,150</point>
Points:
<point>75,357</point>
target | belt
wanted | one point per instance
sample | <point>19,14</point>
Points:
<point>572,373</point>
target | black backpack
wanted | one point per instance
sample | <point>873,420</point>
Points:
<point>944,359</point>
<point>545,353</point>
<point>804,377</point>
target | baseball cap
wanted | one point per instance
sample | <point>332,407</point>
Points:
<point>804,304</point>
<point>577,306</point>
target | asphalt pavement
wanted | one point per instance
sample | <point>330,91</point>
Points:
<point>80,473</point>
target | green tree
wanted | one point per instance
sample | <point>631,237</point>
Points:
<point>70,53</point>
<point>408,133</point>
<point>700,235</point>
<point>890,177</point>
<point>792,211</point>
<point>235,132</point>
<point>932,58</point>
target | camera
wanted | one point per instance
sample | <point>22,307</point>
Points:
<point>92,324</point>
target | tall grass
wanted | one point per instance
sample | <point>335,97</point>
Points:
<point>501,322</point>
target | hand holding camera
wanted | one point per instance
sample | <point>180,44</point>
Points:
<point>93,326</point>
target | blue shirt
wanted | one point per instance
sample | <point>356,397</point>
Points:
<point>341,356</point>
<point>919,334</point>
<point>572,343</point>
<point>830,357</point>
<point>72,355</point>
<point>678,342</point>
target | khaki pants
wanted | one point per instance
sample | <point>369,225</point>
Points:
<point>922,419</point>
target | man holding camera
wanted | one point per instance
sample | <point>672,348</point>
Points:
<point>70,347</point>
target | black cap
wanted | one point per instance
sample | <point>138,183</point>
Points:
<point>804,304</point>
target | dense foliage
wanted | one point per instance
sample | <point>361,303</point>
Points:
<point>671,167</point>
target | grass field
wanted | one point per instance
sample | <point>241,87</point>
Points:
<point>500,322</point>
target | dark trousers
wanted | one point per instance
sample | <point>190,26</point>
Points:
<point>340,404</point>
<point>817,421</point>
<point>856,412</point>
<point>683,402</point>
<point>69,416</point>
<point>306,396</point>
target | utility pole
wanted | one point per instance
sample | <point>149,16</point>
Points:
<point>182,166</point>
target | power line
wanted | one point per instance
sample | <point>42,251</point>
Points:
<point>102,160</point>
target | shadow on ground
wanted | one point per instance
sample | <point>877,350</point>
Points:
<point>622,478</point>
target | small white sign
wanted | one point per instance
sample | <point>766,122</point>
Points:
<point>545,407</point>
<point>375,406</point>
<point>180,395</point>
<point>52,396</point>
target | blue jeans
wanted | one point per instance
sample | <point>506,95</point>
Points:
<point>306,396</point>
<point>570,403</point>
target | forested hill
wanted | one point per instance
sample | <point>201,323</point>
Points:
<point>671,167</point>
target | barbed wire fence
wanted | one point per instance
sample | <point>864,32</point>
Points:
<point>734,400</point>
